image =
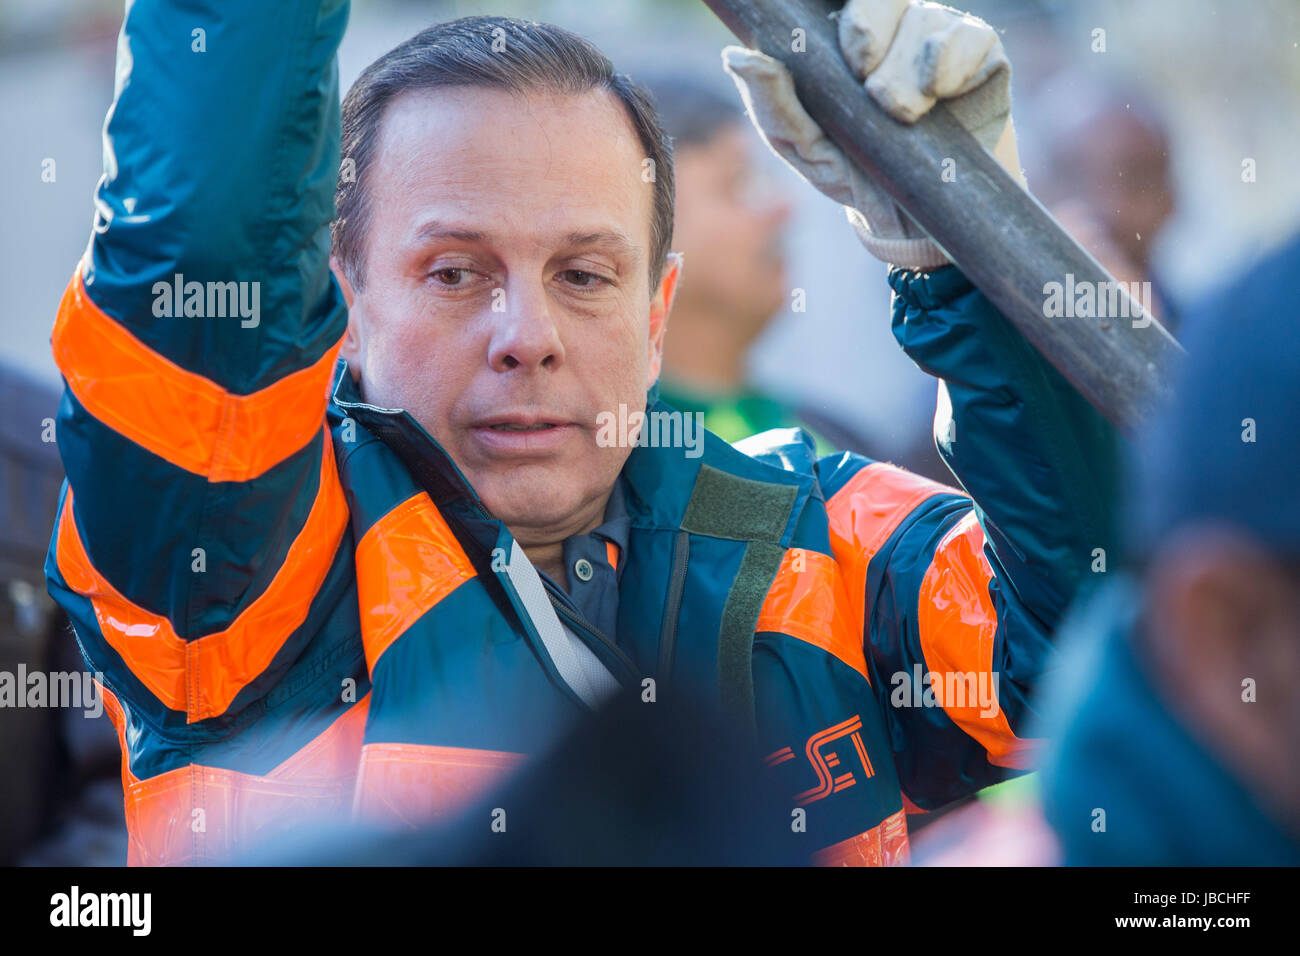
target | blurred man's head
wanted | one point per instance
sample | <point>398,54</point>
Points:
<point>730,222</point>
<point>1112,155</point>
<point>1217,530</point>
<point>502,242</point>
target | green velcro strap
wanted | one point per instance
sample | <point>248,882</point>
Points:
<point>758,570</point>
<point>757,512</point>
<point>725,506</point>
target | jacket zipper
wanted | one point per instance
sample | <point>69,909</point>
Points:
<point>676,584</point>
<point>576,618</point>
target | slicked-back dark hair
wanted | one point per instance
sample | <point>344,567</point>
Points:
<point>501,53</point>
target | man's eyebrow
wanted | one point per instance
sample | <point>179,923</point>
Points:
<point>441,230</point>
<point>435,229</point>
<point>611,237</point>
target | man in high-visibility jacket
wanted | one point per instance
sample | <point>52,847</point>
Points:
<point>359,541</point>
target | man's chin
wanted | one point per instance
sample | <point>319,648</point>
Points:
<point>540,504</point>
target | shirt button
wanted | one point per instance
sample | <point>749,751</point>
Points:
<point>582,568</point>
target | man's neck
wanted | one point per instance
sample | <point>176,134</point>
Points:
<point>545,546</point>
<point>549,559</point>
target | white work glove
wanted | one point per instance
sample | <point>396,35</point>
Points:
<point>910,54</point>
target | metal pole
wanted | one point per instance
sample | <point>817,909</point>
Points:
<point>995,232</point>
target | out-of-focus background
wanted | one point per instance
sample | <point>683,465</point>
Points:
<point>1163,133</point>
<point>1221,78</point>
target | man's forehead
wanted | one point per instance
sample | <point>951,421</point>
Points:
<point>447,154</point>
<point>509,128</point>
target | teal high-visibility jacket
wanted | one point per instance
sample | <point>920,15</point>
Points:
<point>291,597</point>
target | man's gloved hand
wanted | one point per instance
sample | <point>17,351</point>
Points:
<point>910,54</point>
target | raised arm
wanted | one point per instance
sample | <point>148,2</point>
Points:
<point>961,596</point>
<point>197,337</point>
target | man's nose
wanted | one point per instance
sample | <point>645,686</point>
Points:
<point>524,331</point>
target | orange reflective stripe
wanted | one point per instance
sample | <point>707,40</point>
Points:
<point>883,845</point>
<point>417,783</point>
<point>864,513</point>
<point>407,562</point>
<point>611,553</point>
<point>239,811</point>
<point>958,625</point>
<point>808,601</point>
<point>113,708</point>
<point>778,757</point>
<point>334,751</point>
<point>178,415</point>
<point>201,677</point>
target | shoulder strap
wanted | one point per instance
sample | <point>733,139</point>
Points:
<point>576,663</point>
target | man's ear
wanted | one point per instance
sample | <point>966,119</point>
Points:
<point>660,306</point>
<point>350,350</point>
<point>341,277</point>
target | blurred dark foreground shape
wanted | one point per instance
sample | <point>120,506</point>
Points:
<point>647,784</point>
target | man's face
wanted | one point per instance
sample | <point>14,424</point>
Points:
<point>506,298</point>
<point>729,230</point>
<point>1124,167</point>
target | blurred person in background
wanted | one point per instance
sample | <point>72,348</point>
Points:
<point>61,794</point>
<point>30,474</point>
<point>1106,176</point>
<point>730,226</point>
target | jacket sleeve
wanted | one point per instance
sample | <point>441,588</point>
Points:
<point>197,338</point>
<point>964,586</point>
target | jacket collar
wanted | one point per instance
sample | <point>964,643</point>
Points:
<point>427,461</point>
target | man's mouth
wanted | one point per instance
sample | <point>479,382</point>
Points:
<point>515,427</point>
<point>523,435</point>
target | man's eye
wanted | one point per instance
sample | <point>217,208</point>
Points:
<point>583,279</point>
<point>449,276</point>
